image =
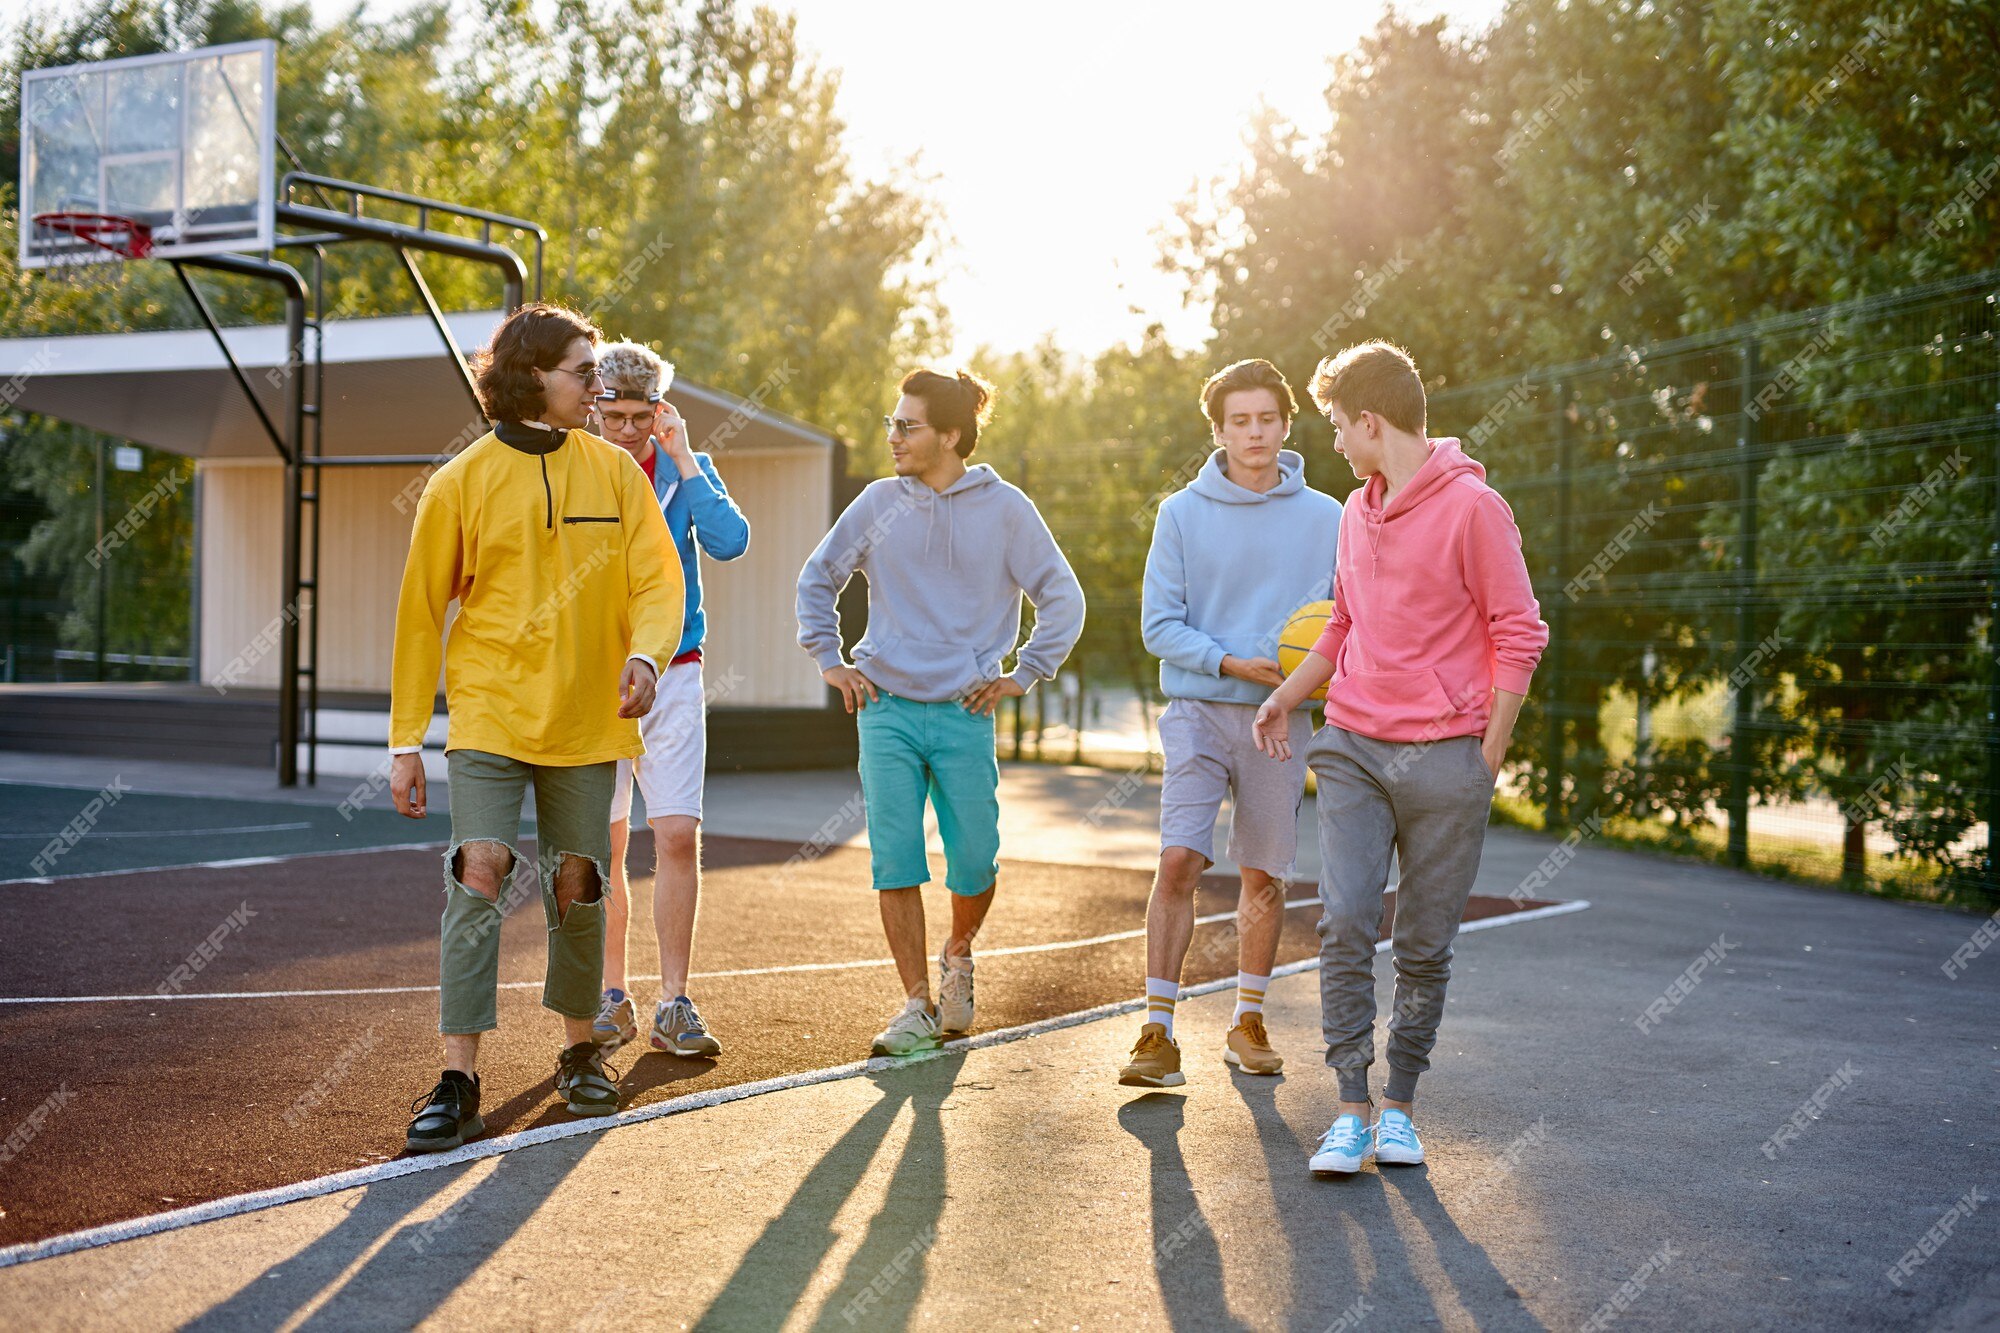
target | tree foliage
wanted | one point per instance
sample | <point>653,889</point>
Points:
<point>685,159</point>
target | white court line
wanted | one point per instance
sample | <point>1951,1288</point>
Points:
<point>173,832</point>
<point>1051,947</point>
<point>233,862</point>
<point>237,1204</point>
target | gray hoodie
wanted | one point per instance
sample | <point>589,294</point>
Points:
<point>946,572</point>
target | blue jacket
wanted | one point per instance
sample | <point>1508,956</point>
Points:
<point>697,509</point>
<point>1227,569</point>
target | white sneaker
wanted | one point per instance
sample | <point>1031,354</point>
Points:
<point>913,1030</point>
<point>954,993</point>
<point>1396,1140</point>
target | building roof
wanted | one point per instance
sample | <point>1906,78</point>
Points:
<point>389,390</point>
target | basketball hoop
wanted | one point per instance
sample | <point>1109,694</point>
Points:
<point>127,237</point>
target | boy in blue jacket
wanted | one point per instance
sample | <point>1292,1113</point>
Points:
<point>1234,554</point>
<point>700,513</point>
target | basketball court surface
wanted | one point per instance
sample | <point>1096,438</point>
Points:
<point>231,996</point>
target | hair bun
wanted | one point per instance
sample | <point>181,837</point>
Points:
<point>980,393</point>
<point>958,400</point>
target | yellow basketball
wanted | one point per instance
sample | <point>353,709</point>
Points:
<point>1301,632</point>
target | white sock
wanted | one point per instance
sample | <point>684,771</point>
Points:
<point>1249,994</point>
<point>1161,996</point>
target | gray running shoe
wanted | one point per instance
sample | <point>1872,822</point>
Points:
<point>678,1029</point>
<point>617,1021</point>
<point>954,993</point>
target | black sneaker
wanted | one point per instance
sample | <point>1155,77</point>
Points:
<point>448,1116</point>
<point>582,1082</point>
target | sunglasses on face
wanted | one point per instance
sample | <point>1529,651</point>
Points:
<point>902,426</point>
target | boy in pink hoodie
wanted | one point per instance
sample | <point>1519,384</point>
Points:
<point>1434,634</point>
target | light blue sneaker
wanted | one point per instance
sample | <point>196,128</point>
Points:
<point>1345,1147</point>
<point>1396,1140</point>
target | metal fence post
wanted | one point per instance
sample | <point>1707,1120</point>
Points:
<point>1555,812</point>
<point>1992,803</point>
<point>103,563</point>
<point>1744,695</point>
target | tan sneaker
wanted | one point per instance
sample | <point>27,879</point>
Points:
<point>1249,1049</point>
<point>617,1021</point>
<point>1156,1060</point>
<point>954,1002</point>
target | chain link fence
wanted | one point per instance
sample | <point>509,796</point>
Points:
<point>1769,557</point>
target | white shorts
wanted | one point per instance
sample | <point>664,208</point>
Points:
<point>676,737</point>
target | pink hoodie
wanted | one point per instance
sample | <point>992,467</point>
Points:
<point>1432,606</point>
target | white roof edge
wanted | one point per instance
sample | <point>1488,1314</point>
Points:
<point>348,341</point>
<point>255,346</point>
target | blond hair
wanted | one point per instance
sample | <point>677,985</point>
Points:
<point>634,370</point>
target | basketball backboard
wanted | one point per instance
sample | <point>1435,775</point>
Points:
<point>182,144</point>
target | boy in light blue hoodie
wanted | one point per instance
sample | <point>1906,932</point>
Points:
<point>1245,545</point>
<point>948,552</point>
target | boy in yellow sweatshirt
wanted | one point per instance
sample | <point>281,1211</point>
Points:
<point>551,541</point>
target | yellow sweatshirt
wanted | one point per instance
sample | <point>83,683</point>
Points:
<point>557,552</point>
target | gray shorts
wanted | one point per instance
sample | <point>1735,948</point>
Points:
<point>1210,753</point>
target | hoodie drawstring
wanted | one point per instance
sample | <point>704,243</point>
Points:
<point>548,495</point>
<point>938,500</point>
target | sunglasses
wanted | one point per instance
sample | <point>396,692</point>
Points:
<point>902,426</point>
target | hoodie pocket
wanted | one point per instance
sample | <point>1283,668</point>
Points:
<point>927,666</point>
<point>1394,705</point>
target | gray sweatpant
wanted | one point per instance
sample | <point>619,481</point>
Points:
<point>1427,803</point>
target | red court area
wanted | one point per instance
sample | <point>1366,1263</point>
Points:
<point>125,1103</point>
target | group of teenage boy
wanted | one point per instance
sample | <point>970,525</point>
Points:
<point>568,538</point>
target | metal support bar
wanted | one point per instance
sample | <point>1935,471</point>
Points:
<point>444,330</point>
<point>380,460</point>
<point>513,272</point>
<point>291,447</point>
<point>201,306</point>
<point>311,240</point>
<point>311,455</point>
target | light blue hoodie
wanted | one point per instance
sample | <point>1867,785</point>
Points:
<point>946,572</point>
<point>1227,568</point>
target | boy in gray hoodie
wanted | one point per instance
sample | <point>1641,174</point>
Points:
<point>948,552</point>
<point>1245,545</point>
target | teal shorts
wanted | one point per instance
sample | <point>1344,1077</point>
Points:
<point>912,750</point>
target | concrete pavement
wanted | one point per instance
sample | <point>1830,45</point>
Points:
<point>1805,1111</point>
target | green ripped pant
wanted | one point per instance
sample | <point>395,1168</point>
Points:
<point>572,817</point>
